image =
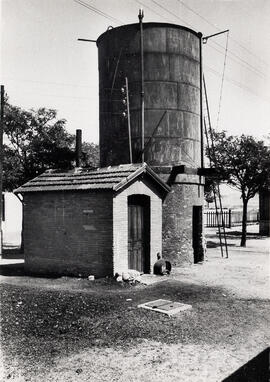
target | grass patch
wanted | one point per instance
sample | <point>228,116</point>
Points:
<point>38,325</point>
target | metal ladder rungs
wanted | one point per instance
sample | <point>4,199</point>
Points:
<point>216,190</point>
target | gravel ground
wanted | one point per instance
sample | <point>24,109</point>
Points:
<point>76,330</point>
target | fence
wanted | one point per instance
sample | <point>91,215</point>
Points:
<point>231,217</point>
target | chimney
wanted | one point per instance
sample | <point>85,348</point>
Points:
<point>78,147</point>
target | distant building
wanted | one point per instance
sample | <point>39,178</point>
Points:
<point>12,219</point>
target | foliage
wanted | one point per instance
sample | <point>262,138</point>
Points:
<point>36,141</point>
<point>90,155</point>
<point>209,189</point>
<point>244,162</point>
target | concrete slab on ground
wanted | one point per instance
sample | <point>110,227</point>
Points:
<point>148,279</point>
<point>165,306</point>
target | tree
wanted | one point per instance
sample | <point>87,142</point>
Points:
<point>36,141</point>
<point>209,189</point>
<point>245,163</point>
<point>90,155</point>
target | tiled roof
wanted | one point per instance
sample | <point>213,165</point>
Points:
<point>113,177</point>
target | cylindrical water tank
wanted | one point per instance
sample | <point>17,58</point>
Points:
<point>172,78</point>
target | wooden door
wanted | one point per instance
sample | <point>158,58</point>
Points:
<point>138,233</point>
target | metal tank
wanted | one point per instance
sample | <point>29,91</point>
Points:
<point>172,80</point>
<point>172,83</point>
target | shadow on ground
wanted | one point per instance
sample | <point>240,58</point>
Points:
<point>216,244</point>
<point>251,235</point>
<point>17,269</point>
<point>41,322</point>
<point>236,234</point>
<point>12,269</point>
<point>256,370</point>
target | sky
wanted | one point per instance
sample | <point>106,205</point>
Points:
<point>43,65</point>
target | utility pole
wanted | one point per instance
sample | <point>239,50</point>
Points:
<point>142,79</point>
<point>128,119</point>
<point>1,164</point>
<point>201,101</point>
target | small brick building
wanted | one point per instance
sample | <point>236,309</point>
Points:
<point>93,222</point>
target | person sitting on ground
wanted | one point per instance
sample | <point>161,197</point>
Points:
<point>162,267</point>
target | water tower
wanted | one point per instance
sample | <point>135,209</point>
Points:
<point>172,133</point>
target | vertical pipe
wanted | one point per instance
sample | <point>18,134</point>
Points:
<point>142,79</point>
<point>201,102</point>
<point>78,147</point>
<point>1,162</point>
<point>129,129</point>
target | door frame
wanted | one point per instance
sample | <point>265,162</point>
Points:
<point>197,234</point>
<point>145,202</point>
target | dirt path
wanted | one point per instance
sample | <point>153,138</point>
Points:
<point>244,275</point>
<point>73,330</point>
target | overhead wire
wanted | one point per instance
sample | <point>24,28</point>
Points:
<point>172,13</point>
<point>233,59</point>
<point>111,18</point>
<point>228,79</point>
<point>236,83</point>
<point>47,82</point>
<point>213,25</point>
<point>250,67</point>
<point>98,11</point>
<point>58,96</point>
<point>222,81</point>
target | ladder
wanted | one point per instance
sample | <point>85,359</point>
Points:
<point>216,189</point>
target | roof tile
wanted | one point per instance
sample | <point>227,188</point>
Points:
<point>113,178</point>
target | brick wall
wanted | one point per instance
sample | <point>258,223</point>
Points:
<point>177,223</point>
<point>68,233</point>
<point>120,225</point>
